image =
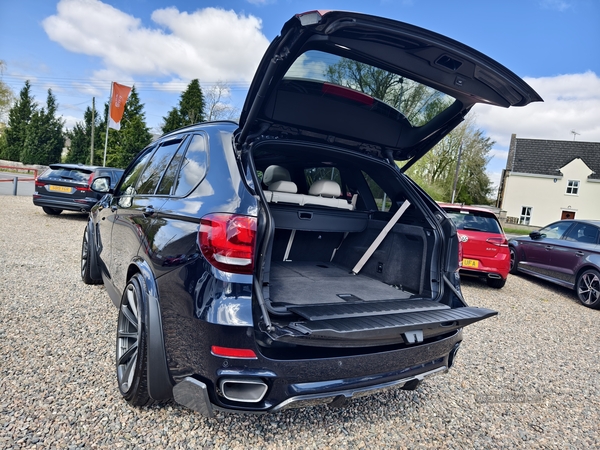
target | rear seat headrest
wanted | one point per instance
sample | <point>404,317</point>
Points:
<point>276,173</point>
<point>284,186</point>
<point>325,188</point>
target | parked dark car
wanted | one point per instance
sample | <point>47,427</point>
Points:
<point>288,261</point>
<point>67,187</point>
<point>566,252</point>
<point>484,245</point>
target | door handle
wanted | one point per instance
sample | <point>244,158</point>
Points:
<point>579,253</point>
<point>148,210</point>
<point>549,247</point>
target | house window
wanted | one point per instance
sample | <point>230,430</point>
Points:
<point>525,215</point>
<point>573,187</point>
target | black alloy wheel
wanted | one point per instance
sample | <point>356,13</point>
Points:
<point>131,344</point>
<point>514,260</point>
<point>86,255</point>
<point>588,288</point>
<point>51,211</point>
<point>496,283</point>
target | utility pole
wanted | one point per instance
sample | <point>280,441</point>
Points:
<point>93,125</point>
<point>456,173</point>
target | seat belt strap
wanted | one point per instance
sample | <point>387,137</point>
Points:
<point>388,226</point>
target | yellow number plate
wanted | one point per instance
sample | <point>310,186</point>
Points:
<point>470,263</point>
<point>65,189</point>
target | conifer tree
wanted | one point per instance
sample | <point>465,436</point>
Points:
<point>189,111</point>
<point>44,139</point>
<point>18,119</point>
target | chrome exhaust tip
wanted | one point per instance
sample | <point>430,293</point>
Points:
<point>246,390</point>
<point>494,275</point>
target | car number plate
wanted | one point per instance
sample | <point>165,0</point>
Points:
<point>65,189</point>
<point>470,263</point>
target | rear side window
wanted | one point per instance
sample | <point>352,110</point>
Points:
<point>193,167</point>
<point>584,233</point>
<point>153,172</point>
<point>383,201</point>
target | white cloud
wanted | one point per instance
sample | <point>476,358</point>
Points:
<point>571,102</point>
<point>559,5</point>
<point>209,44</point>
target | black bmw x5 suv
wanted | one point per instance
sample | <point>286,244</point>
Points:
<point>288,260</point>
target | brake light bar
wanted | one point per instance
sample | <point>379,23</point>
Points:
<point>228,241</point>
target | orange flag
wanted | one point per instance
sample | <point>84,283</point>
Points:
<point>120,94</point>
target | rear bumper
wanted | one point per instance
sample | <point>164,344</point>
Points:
<point>84,205</point>
<point>194,394</point>
<point>497,267</point>
<point>306,382</point>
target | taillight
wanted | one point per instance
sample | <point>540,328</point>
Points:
<point>39,183</point>
<point>499,241</point>
<point>238,353</point>
<point>227,241</point>
<point>89,183</point>
<point>460,252</point>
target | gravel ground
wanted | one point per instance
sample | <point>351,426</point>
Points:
<point>528,378</point>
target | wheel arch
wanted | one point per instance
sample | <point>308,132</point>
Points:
<point>160,385</point>
<point>583,269</point>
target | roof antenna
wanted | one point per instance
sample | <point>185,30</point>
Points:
<point>575,133</point>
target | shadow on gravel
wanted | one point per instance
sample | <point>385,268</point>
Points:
<point>480,283</point>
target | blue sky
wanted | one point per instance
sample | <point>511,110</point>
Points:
<point>76,47</point>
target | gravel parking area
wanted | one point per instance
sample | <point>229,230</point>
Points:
<point>529,377</point>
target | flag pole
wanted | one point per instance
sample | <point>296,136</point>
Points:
<point>107,119</point>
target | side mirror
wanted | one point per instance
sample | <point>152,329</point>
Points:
<point>536,235</point>
<point>101,185</point>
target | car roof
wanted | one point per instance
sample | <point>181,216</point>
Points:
<point>80,167</point>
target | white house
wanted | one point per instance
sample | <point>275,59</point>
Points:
<point>545,181</point>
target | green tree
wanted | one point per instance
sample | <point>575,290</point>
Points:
<point>190,109</point>
<point>44,139</point>
<point>81,138</point>
<point>19,117</point>
<point>133,136</point>
<point>435,172</point>
<point>7,97</point>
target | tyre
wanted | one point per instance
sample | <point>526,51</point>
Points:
<point>588,288</point>
<point>514,260</point>
<point>51,211</point>
<point>496,283</point>
<point>87,255</point>
<point>132,344</point>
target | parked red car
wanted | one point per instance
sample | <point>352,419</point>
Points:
<point>484,245</point>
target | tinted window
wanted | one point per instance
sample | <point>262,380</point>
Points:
<point>384,203</point>
<point>193,167</point>
<point>168,179</point>
<point>474,221</point>
<point>77,175</point>
<point>156,167</point>
<point>555,230</point>
<point>130,178</point>
<point>584,233</point>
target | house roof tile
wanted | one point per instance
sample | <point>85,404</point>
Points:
<point>545,157</point>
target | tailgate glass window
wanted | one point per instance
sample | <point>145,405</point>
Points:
<point>475,221</point>
<point>417,102</point>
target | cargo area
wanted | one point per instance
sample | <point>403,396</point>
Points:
<point>315,250</point>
